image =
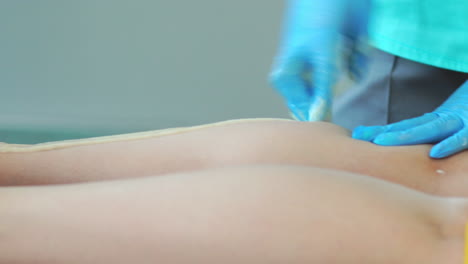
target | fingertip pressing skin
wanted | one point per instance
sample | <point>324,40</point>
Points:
<point>395,139</point>
<point>450,146</point>
<point>367,133</point>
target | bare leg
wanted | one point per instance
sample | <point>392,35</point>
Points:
<point>257,215</point>
<point>246,143</point>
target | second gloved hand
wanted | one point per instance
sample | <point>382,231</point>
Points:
<point>305,71</point>
<point>447,125</point>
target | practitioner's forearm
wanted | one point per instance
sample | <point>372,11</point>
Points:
<point>251,215</point>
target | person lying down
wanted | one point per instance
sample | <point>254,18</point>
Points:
<point>230,143</point>
<point>252,191</point>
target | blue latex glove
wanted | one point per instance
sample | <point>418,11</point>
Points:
<point>448,125</point>
<point>305,68</point>
<point>355,34</point>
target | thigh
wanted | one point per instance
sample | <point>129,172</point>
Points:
<point>237,143</point>
<point>260,214</point>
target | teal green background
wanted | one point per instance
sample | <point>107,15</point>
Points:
<point>72,69</point>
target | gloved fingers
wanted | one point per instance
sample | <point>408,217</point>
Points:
<point>451,145</point>
<point>299,110</point>
<point>289,78</point>
<point>369,133</point>
<point>321,95</point>
<point>293,88</point>
<point>412,122</point>
<point>323,77</point>
<point>290,62</point>
<point>319,109</point>
<point>298,103</point>
<point>321,99</point>
<point>430,132</point>
<point>286,77</point>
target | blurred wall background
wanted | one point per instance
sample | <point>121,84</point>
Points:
<point>71,69</point>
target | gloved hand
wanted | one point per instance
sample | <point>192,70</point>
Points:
<point>354,31</point>
<point>448,125</point>
<point>305,68</point>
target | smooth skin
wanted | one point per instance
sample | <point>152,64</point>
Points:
<point>254,214</point>
<point>240,193</point>
<point>240,144</point>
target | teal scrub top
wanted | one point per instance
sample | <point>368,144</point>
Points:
<point>433,32</point>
